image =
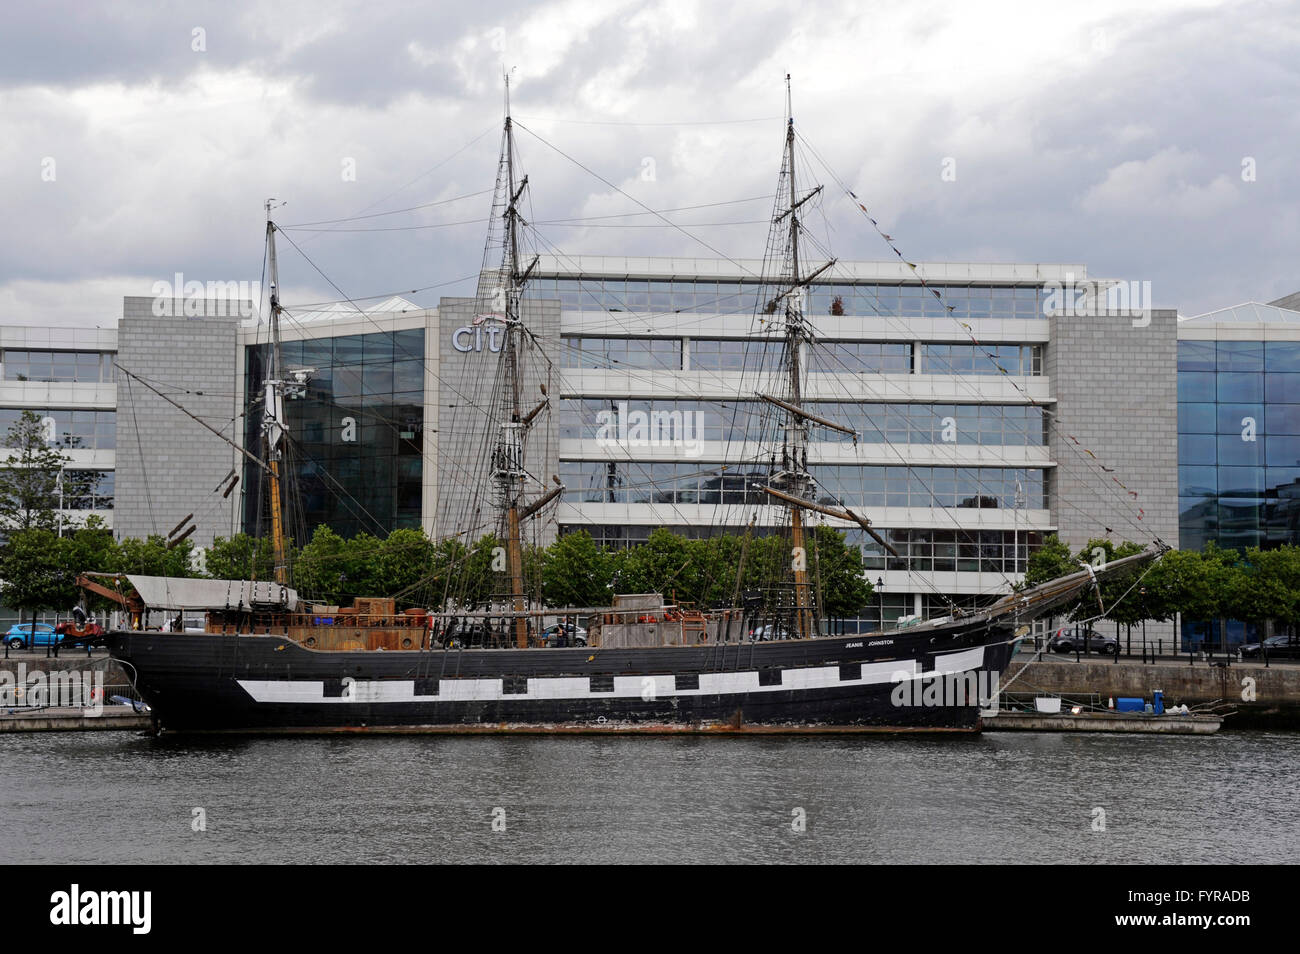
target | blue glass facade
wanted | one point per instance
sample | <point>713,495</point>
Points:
<point>356,435</point>
<point>1239,443</point>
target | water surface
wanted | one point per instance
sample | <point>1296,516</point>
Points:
<point>116,797</point>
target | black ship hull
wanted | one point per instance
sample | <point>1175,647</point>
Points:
<point>932,680</point>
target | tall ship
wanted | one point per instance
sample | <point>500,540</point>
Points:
<point>767,660</point>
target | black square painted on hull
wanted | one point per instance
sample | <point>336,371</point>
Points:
<point>769,677</point>
<point>602,683</point>
<point>333,689</point>
<point>514,685</point>
<point>687,680</point>
<point>850,671</point>
<point>426,687</point>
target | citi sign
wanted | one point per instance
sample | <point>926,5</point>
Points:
<point>472,338</point>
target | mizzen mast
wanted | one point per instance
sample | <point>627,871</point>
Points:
<point>273,425</point>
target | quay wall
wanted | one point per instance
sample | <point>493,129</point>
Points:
<point>1263,696</point>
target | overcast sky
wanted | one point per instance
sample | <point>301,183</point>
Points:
<point>1154,141</point>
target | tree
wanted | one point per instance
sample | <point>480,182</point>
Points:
<point>1263,587</point>
<point>29,478</point>
<point>241,558</point>
<point>325,569</point>
<point>33,573</point>
<point>402,562</point>
<point>89,549</point>
<point>1120,592</point>
<point>577,572</point>
<point>837,571</point>
<point>152,557</point>
<point>1050,561</point>
<point>652,567</point>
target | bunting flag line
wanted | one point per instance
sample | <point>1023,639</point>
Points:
<point>970,333</point>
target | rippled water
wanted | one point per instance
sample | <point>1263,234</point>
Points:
<point>116,797</point>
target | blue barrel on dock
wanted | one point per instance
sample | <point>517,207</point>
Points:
<point>1158,701</point>
<point>1130,705</point>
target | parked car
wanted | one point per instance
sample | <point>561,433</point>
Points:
<point>1087,641</point>
<point>1280,646</point>
<point>565,634</point>
<point>31,635</point>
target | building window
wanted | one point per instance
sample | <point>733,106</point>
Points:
<point>840,485</point>
<point>858,357</point>
<point>95,367</point>
<point>1013,425</point>
<point>88,489</point>
<point>655,354</point>
<point>735,354</point>
<point>73,429</point>
<point>1023,360</point>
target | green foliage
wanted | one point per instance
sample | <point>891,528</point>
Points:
<point>837,573</point>
<point>326,568</point>
<point>1265,585</point>
<point>576,572</point>
<point>240,558</point>
<point>705,571</point>
<point>39,569</point>
<point>1207,585</point>
<point>34,576</point>
<point>1050,561</point>
<point>29,477</point>
<point>151,557</point>
<point>1121,593</point>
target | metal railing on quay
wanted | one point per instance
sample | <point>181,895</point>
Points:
<point>1205,652</point>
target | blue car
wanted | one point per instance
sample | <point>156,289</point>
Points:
<point>31,635</point>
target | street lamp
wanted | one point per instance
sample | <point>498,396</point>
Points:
<point>1015,524</point>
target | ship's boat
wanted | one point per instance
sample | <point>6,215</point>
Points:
<point>266,659</point>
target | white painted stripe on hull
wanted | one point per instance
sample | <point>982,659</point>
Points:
<point>625,687</point>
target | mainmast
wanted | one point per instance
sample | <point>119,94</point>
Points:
<point>509,475</point>
<point>791,485</point>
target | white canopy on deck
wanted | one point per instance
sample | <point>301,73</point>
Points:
<point>171,592</point>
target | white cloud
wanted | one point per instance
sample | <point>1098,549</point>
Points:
<point>1130,122</point>
<point>1160,185</point>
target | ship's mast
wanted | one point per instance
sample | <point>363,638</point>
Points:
<point>791,485</point>
<point>794,478</point>
<point>273,427</point>
<point>508,473</point>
